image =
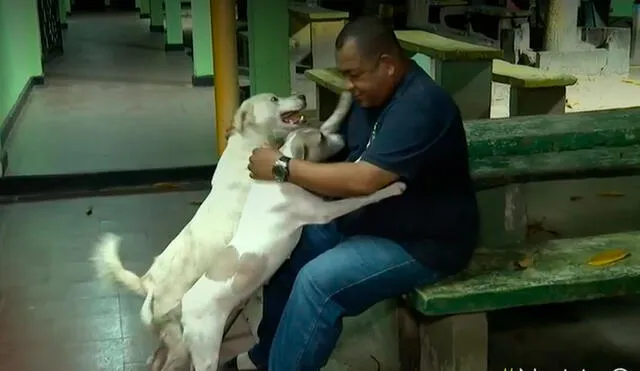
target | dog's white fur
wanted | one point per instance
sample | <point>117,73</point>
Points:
<point>259,121</point>
<point>269,229</point>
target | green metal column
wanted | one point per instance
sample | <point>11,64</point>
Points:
<point>202,47</point>
<point>144,8</point>
<point>268,23</point>
<point>138,5</point>
<point>62,9</point>
<point>157,16</point>
<point>173,37</point>
<point>67,5</point>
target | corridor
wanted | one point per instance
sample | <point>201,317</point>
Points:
<point>114,101</point>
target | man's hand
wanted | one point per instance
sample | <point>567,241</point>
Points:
<point>261,163</point>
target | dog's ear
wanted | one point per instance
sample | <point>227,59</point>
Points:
<point>243,115</point>
<point>300,152</point>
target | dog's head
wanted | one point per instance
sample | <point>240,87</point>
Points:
<point>312,144</point>
<point>269,115</point>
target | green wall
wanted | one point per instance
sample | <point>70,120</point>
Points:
<point>19,50</point>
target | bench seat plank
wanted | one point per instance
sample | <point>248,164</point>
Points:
<point>442,48</point>
<point>559,273</point>
<point>598,162</point>
<point>328,78</point>
<point>526,135</point>
<point>529,77</point>
<point>317,13</point>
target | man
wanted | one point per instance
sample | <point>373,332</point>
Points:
<point>402,125</point>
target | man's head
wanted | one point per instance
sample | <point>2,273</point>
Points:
<point>371,59</point>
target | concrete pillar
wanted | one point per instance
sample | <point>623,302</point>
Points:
<point>202,47</point>
<point>157,16</point>
<point>173,15</point>
<point>562,28</point>
<point>138,5</point>
<point>268,23</point>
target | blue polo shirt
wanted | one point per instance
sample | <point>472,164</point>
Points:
<point>420,137</point>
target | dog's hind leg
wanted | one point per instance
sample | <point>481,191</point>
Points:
<point>203,322</point>
<point>177,358</point>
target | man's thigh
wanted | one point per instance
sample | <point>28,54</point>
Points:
<point>363,270</point>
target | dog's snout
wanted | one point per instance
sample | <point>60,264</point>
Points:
<point>302,97</point>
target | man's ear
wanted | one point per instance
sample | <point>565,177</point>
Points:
<point>389,66</point>
<point>243,115</point>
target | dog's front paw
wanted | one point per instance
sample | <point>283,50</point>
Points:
<point>397,188</point>
<point>394,189</point>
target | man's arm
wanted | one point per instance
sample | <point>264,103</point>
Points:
<point>340,179</point>
<point>403,143</point>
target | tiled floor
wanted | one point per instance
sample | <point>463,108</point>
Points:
<point>54,315</point>
<point>114,101</point>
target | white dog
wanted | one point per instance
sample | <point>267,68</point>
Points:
<point>269,229</point>
<point>262,119</point>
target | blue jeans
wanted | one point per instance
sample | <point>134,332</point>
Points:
<point>326,278</point>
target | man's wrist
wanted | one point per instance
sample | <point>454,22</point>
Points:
<point>281,169</point>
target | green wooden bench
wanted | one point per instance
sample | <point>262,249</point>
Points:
<point>463,69</point>
<point>533,91</point>
<point>315,29</point>
<point>444,325</point>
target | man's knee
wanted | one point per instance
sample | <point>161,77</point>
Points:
<point>314,281</point>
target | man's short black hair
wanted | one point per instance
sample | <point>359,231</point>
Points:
<point>372,36</point>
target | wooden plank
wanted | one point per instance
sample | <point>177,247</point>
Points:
<point>525,135</point>
<point>328,78</point>
<point>316,13</point>
<point>559,273</point>
<point>528,77</point>
<point>495,171</point>
<point>442,48</point>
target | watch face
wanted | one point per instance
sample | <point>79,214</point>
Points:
<point>280,171</point>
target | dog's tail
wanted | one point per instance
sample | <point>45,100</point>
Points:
<point>109,267</point>
<point>342,109</point>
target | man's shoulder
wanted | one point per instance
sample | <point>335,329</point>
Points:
<point>425,94</point>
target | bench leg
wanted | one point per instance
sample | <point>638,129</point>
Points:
<point>469,82</point>
<point>408,337</point>
<point>537,101</point>
<point>455,343</point>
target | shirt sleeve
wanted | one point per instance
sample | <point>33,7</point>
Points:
<point>407,134</point>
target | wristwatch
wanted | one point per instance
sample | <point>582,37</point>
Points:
<point>280,169</point>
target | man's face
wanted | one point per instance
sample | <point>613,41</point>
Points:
<point>370,80</point>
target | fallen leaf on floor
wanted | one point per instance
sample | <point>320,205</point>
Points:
<point>164,185</point>
<point>195,203</point>
<point>632,82</point>
<point>611,194</point>
<point>89,210</point>
<point>608,257</point>
<point>575,198</point>
<point>524,263</point>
